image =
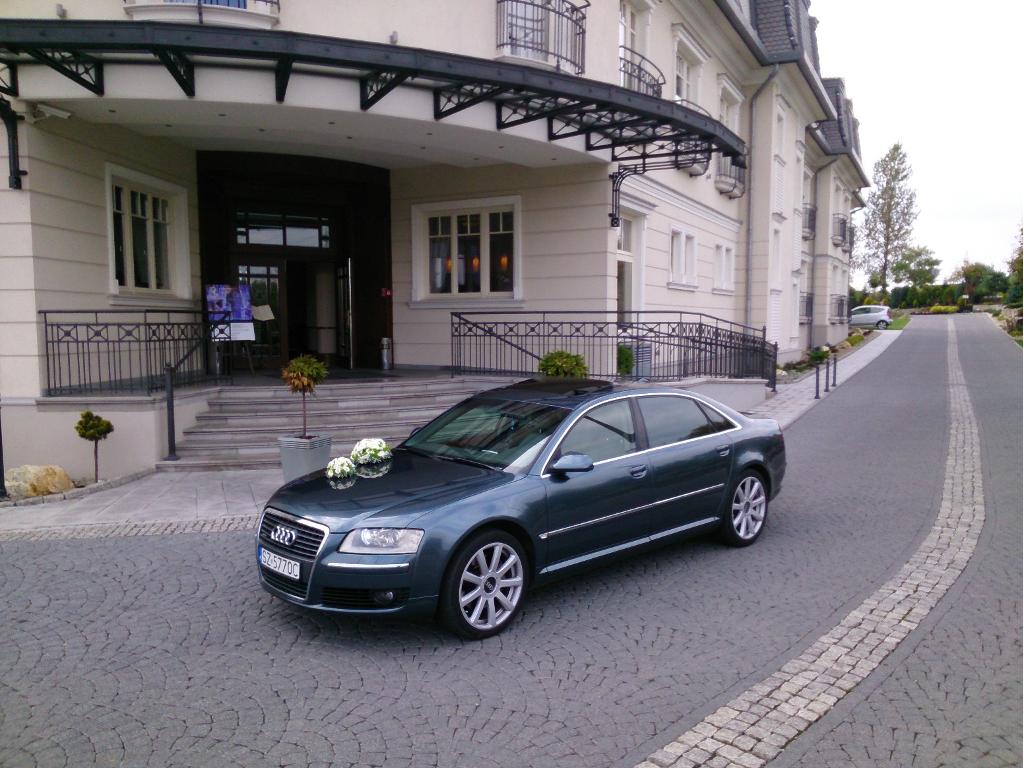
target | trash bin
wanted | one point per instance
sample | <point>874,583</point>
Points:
<point>386,361</point>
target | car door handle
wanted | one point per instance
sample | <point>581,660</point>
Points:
<point>638,471</point>
<point>723,450</point>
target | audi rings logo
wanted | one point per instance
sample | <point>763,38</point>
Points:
<point>283,535</point>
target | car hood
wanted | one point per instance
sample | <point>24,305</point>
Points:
<point>412,485</point>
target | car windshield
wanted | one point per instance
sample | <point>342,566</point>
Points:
<point>502,434</point>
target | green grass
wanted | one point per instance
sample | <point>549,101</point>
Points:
<point>899,323</point>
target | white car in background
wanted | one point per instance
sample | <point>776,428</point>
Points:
<point>874,316</point>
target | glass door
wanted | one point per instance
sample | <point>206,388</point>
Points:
<point>265,278</point>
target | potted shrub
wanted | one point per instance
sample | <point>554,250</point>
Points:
<point>625,360</point>
<point>304,453</point>
<point>563,365</point>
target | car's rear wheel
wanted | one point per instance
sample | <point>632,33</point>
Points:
<point>881,325</point>
<point>748,510</point>
<point>485,585</point>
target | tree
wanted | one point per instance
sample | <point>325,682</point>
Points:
<point>889,222</point>
<point>980,280</point>
<point>917,266</point>
<point>1015,282</point>
<point>94,428</point>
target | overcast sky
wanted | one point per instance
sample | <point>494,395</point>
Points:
<point>945,80</point>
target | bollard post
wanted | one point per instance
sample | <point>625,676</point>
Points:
<point>826,372</point>
<point>835,367</point>
<point>817,381</point>
<point>172,454</point>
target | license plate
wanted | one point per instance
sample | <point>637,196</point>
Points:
<point>278,564</point>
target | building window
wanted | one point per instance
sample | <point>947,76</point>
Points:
<point>725,267</point>
<point>141,232</point>
<point>683,256</point>
<point>729,100</point>
<point>469,251</point>
<point>282,230</point>
<point>690,59</point>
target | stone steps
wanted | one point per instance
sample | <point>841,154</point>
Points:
<point>240,427</point>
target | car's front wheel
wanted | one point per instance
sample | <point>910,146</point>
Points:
<point>748,510</point>
<point>881,325</point>
<point>485,585</point>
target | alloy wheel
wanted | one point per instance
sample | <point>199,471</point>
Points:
<point>491,586</point>
<point>749,504</point>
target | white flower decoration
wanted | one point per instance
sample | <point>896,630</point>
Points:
<point>341,467</point>
<point>341,485</point>
<point>378,469</point>
<point>370,450</point>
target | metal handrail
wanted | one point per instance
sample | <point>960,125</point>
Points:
<point>550,31</point>
<point>638,73</point>
<point>125,350</point>
<point>666,345</point>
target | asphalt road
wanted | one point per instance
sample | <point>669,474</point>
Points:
<point>163,651</point>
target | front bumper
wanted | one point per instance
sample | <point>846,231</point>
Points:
<point>333,582</point>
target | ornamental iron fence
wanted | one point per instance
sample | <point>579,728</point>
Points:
<point>129,350</point>
<point>665,346</point>
<point>810,221</point>
<point>640,74</point>
<point>553,32</point>
<point>806,308</point>
<point>837,308</point>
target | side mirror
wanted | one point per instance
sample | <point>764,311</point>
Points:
<point>573,462</point>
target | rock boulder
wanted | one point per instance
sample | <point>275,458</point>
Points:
<point>31,480</point>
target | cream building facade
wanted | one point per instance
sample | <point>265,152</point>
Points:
<point>315,151</point>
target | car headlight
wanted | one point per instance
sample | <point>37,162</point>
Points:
<point>382,541</point>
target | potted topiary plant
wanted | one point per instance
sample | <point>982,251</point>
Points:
<point>93,427</point>
<point>563,365</point>
<point>304,453</point>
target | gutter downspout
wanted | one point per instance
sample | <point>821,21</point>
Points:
<point>814,256</point>
<point>748,309</point>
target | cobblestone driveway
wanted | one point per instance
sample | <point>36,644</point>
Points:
<point>160,650</point>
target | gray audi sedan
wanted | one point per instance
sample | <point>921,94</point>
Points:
<point>515,487</point>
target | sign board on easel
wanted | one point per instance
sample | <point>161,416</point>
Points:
<point>234,302</point>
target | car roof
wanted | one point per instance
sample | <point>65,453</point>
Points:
<point>572,393</point>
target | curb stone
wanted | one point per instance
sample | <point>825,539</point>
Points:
<point>77,493</point>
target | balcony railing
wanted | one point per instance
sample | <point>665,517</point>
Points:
<point>666,346</point>
<point>640,74</point>
<point>810,220</point>
<point>837,308</point>
<point>126,350</point>
<point>730,179</point>
<point>839,228</point>
<point>257,14</point>
<point>806,308</point>
<point>552,32</point>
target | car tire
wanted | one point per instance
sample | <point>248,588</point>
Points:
<point>746,511</point>
<point>881,325</point>
<point>484,586</point>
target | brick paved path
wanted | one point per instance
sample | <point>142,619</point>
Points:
<point>757,725</point>
<point>162,651</point>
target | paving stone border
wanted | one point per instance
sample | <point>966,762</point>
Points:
<point>77,493</point>
<point>757,725</point>
<point>148,528</point>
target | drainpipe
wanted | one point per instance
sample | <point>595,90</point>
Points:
<point>748,309</point>
<point>814,256</point>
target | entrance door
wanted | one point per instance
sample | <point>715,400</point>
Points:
<point>265,277</point>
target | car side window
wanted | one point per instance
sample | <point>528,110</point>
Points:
<point>670,419</point>
<point>604,432</point>
<point>719,423</point>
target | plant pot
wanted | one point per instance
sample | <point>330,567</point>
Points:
<point>302,455</point>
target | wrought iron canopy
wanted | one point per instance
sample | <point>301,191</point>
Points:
<point>632,125</point>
